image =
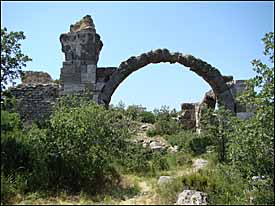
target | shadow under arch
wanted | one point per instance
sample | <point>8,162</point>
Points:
<point>209,73</point>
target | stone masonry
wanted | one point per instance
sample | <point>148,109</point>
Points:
<point>35,96</point>
<point>191,112</point>
<point>79,73</point>
<point>81,46</point>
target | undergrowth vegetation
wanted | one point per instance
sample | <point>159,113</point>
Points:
<point>85,149</point>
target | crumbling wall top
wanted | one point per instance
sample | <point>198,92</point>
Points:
<point>86,23</point>
<point>35,77</point>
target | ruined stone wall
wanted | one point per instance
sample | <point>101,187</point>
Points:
<point>82,46</point>
<point>102,76</point>
<point>35,77</point>
<point>35,102</point>
<point>35,96</point>
<point>243,111</point>
<point>191,112</point>
<point>80,75</point>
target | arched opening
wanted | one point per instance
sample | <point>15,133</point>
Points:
<point>161,84</point>
<point>210,74</point>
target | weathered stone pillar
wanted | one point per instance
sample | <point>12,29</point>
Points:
<point>243,111</point>
<point>81,46</point>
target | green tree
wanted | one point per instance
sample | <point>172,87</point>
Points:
<point>252,142</point>
<point>78,149</point>
<point>12,58</point>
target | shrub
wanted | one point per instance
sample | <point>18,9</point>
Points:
<point>183,159</point>
<point>135,111</point>
<point>15,154</point>
<point>159,162</point>
<point>151,132</point>
<point>7,189</point>
<point>148,117</point>
<point>223,186</point>
<point>168,192</point>
<point>181,139</point>
<point>10,121</point>
<point>227,186</point>
<point>11,186</point>
<point>136,159</point>
<point>262,191</point>
<point>78,149</point>
<point>164,113</point>
<point>199,144</point>
<point>164,127</point>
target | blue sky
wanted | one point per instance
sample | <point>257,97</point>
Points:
<point>225,34</point>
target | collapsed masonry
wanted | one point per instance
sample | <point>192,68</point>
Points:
<point>80,73</point>
<point>191,112</point>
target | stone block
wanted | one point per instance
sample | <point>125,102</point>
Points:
<point>244,115</point>
<point>91,68</point>
<point>70,88</point>
<point>85,77</point>
<point>83,68</point>
<point>95,97</point>
<point>99,86</point>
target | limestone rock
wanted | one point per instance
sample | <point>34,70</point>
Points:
<point>257,178</point>
<point>164,179</point>
<point>200,163</point>
<point>173,149</point>
<point>146,126</point>
<point>156,146</point>
<point>192,197</point>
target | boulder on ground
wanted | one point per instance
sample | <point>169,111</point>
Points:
<point>164,179</point>
<point>192,197</point>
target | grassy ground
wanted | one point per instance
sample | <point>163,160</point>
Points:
<point>137,190</point>
<point>133,190</point>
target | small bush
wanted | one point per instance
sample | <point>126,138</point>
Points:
<point>169,191</point>
<point>15,154</point>
<point>147,117</point>
<point>79,147</point>
<point>164,127</point>
<point>181,139</point>
<point>223,184</point>
<point>10,121</point>
<point>198,145</point>
<point>12,186</point>
<point>151,132</point>
<point>136,159</point>
<point>159,162</point>
<point>262,191</point>
<point>183,159</point>
<point>7,190</point>
<point>135,111</point>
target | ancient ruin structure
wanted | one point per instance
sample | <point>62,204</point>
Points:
<point>36,95</point>
<point>81,46</point>
<point>79,73</point>
<point>191,112</point>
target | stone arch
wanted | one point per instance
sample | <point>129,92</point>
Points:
<point>209,73</point>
